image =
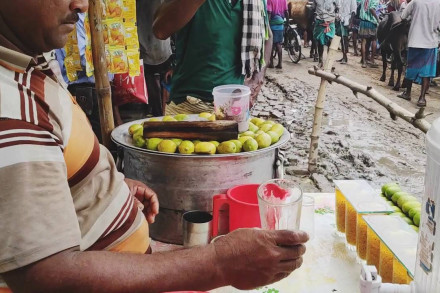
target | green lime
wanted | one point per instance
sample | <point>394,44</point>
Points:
<point>409,205</point>
<point>242,139</point>
<point>138,132</point>
<point>416,219</point>
<point>253,127</point>
<point>181,117</point>
<point>278,129</point>
<point>177,141</point>
<point>154,119</point>
<point>414,211</point>
<point>167,146</point>
<point>195,142</point>
<point>205,148</point>
<point>250,145</point>
<point>264,140</point>
<point>186,147</point>
<point>133,128</point>
<point>398,194</point>
<point>257,121</point>
<point>168,119</point>
<point>275,137</point>
<point>415,228</point>
<point>152,143</point>
<point>404,199</point>
<point>214,142</point>
<point>227,147</point>
<point>385,186</point>
<point>408,220</point>
<point>139,141</point>
<point>396,209</point>
<point>265,127</point>
<point>205,115</point>
<point>212,117</point>
<point>238,145</point>
<point>247,133</point>
<point>400,214</point>
<point>390,191</point>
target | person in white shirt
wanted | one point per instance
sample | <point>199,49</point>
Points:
<point>344,19</point>
<point>423,45</point>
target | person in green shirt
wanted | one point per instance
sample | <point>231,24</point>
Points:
<point>208,48</point>
<point>368,29</point>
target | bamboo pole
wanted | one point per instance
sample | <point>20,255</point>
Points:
<point>417,119</point>
<point>102,82</point>
<point>319,107</point>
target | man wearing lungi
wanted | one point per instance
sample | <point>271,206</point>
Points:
<point>368,29</point>
<point>324,29</point>
<point>423,45</point>
<point>346,15</point>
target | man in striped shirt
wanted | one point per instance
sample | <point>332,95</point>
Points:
<point>66,210</point>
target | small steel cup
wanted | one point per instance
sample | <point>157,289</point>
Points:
<point>197,227</point>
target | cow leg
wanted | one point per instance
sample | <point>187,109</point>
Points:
<point>384,66</point>
<point>399,77</point>
<point>393,67</point>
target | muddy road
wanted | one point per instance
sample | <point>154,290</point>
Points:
<point>359,140</point>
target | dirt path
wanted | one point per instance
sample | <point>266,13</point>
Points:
<point>359,139</point>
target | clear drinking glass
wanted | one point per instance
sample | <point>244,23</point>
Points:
<point>280,203</point>
<point>308,216</point>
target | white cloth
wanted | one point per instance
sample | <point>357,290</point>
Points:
<point>347,8</point>
<point>325,9</point>
<point>425,23</point>
<point>402,6</point>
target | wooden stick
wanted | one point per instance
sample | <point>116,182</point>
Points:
<point>102,82</point>
<point>319,107</point>
<point>417,119</point>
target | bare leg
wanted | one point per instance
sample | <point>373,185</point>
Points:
<point>355,46</point>
<point>306,41</point>
<point>320,53</point>
<point>345,49</point>
<point>406,95</point>
<point>425,85</point>
<point>271,56</point>
<point>280,56</point>
<point>364,53</point>
<point>373,51</point>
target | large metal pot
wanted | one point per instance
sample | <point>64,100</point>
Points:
<point>188,182</point>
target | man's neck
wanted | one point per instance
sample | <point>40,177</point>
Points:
<point>6,34</point>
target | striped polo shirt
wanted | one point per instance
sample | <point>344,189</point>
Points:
<point>59,187</point>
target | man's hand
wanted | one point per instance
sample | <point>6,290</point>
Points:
<point>249,258</point>
<point>146,196</point>
<point>255,83</point>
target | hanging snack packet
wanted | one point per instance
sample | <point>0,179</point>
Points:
<point>89,60</point>
<point>105,31</point>
<point>116,30</point>
<point>131,36</point>
<point>108,58</point>
<point>129,11</point>
<point>119,59</point>
<point>114,8</point>
<point>134,64</point>
<point>71,73</point>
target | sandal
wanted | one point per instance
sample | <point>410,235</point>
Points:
<point>421,104</point>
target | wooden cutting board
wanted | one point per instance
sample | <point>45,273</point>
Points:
<point>202,130</point>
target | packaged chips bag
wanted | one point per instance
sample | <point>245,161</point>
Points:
<point>105,32</point>
<point>131,36</point>
<point>133,62</point>
<point>116,31</point>
<point>129,11</point>
<point>71,73</point>
<point>114,8</point>
<point>89,60</point>
<point>118,59</point>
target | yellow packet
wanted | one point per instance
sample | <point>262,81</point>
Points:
<point>87,28</point>
<point>108,58</point>
<point>71,73</point>
<point>131,36</point>
<point>114,8</point>
<point>119,60</point>
<point>89,61</point>
<point>116,30</point>
<point>105,31</point>
<point>134,63</point>
<point>129,10</point>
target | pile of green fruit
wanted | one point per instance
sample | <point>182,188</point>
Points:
<point>404,204</point>
<point>261,134</point>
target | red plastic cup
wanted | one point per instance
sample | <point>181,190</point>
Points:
<point>243,208</point>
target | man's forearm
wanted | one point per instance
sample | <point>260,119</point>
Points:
<point>174,15</point>
<point>120,272</point>
<point>373,11</point>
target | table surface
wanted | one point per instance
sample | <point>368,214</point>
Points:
<point>328,266</point>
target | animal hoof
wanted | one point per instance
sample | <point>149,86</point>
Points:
<point>390,83</point>
<point>396,88</point>
<point>382,78</point>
